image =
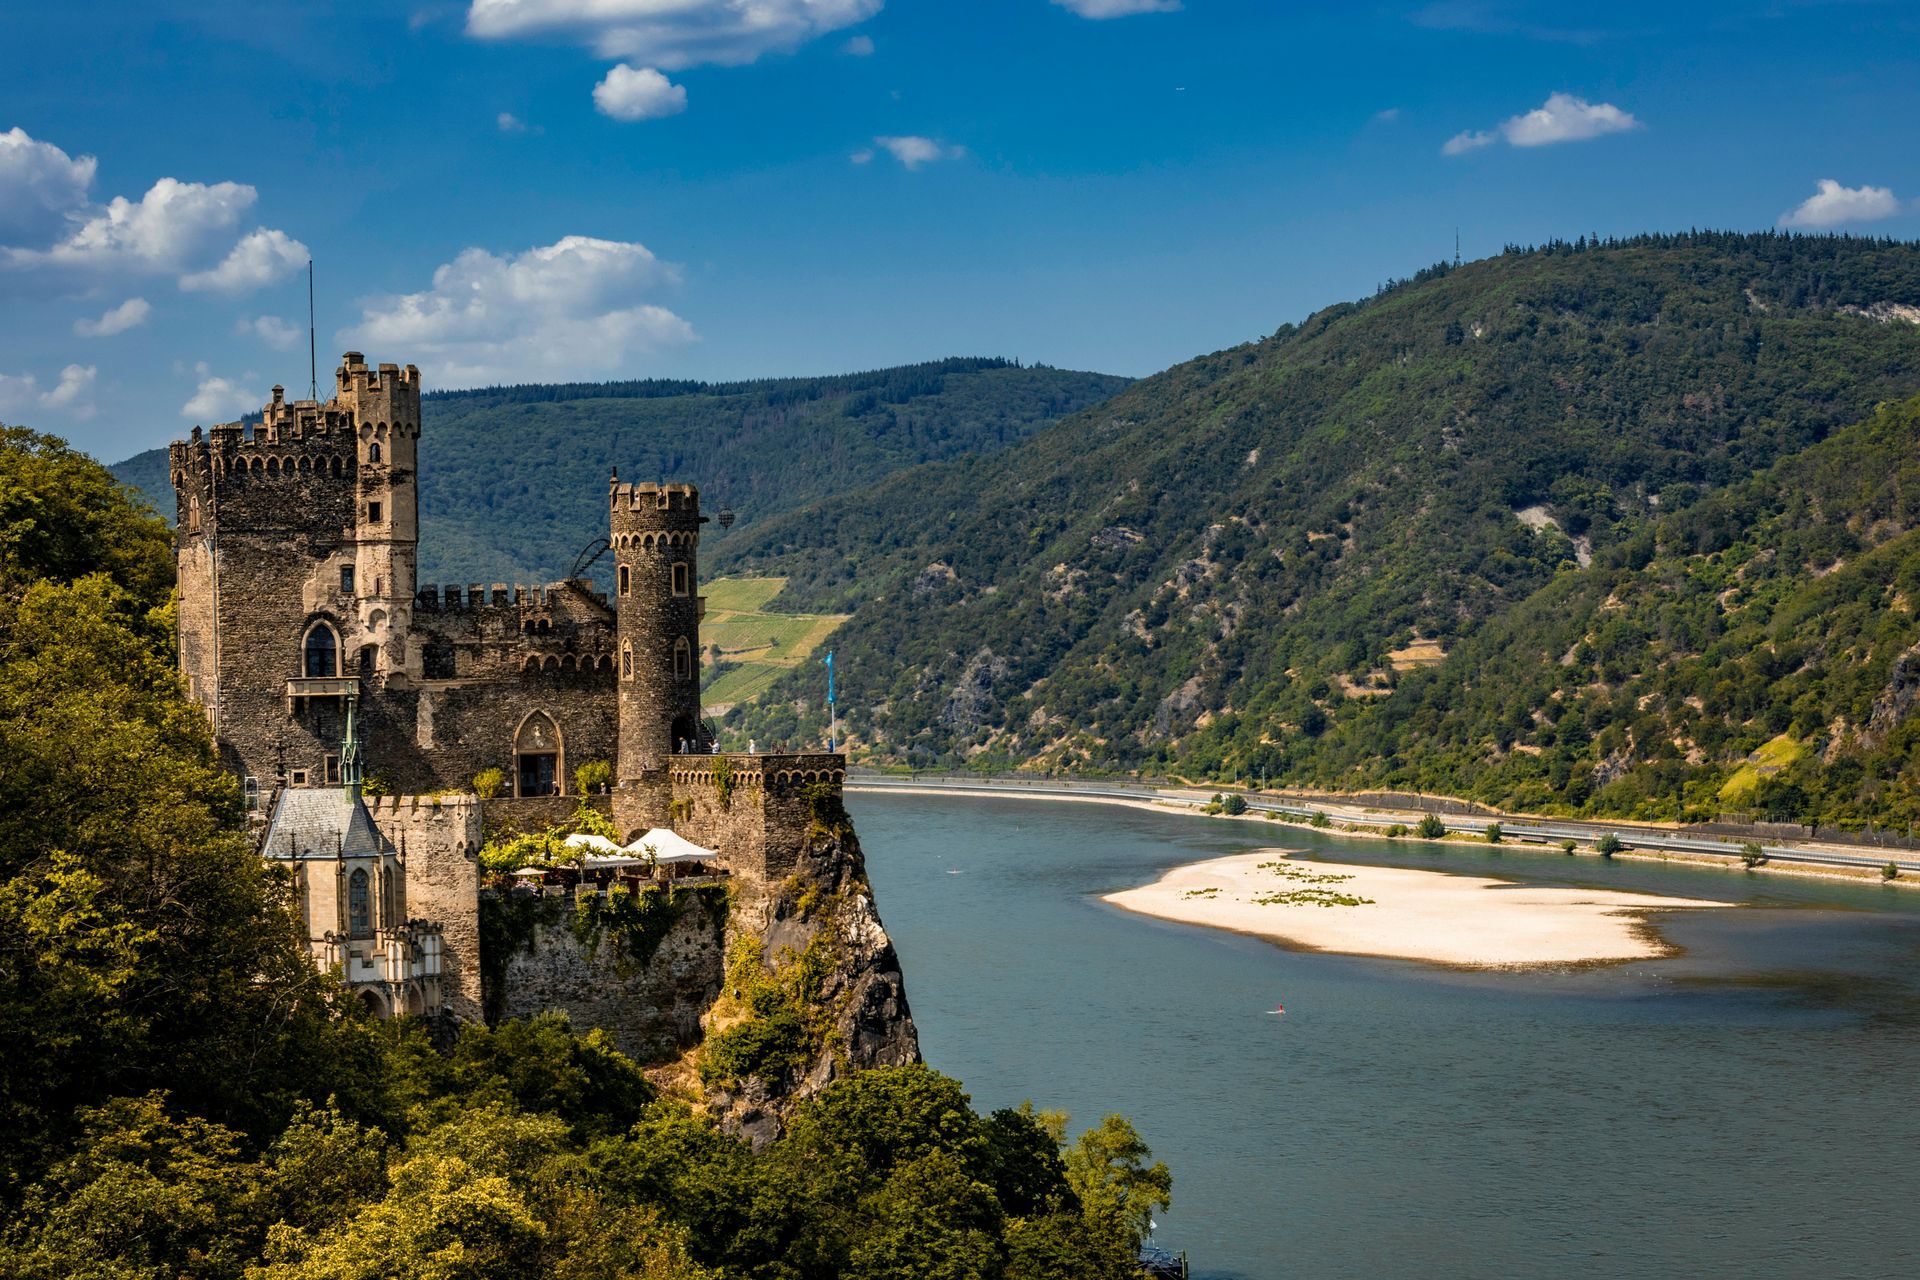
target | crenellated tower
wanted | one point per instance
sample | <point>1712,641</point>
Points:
<point>385,407</point>
<point>296,539</point>
<point>655,535</point>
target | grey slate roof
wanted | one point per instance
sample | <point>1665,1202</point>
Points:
<point>320,823</point>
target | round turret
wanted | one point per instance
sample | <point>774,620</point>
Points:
<point>656,535</point>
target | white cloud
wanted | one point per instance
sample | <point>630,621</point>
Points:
<point>1561,118</point>
<point>174,226</point>
<point>72,395</point>
<point>272,330</point>
<point>911,150</point>
<point>577,308</point>
<point>858,47</point>
<point>863,156</point>
<point>130,314</point>
<point>1386,115</point>
<point>510,123</point>
<point>49,228</point>
<point>673,34</point>
<point>40,185</point>
<point>1117,8</point>
<point>638,93</point>
<point>1832,204</point>
<point>261,257</point>
<point>219,400</point>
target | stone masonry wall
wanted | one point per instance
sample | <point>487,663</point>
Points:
<point>439,844</point>
<point>541,958</point>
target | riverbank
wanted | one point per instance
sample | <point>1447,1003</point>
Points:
<point>1374,824</point>
<point>1402,914</point>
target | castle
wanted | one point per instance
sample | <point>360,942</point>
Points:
<point>319,661</point>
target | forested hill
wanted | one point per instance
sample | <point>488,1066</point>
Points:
<point>1224,560</point>
<point>513,479</point>
<point>1756,653</point>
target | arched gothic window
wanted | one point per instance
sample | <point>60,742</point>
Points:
<point>682,658</point>
<point>373,452</point>
<point>321,652</point>
<point>626,662</point>
<point>359,905</point>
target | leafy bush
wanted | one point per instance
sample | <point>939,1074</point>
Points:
<point>1493,833</point>
<point>488,783</point>
<point>1430,827</point>
<point>1233,806</point>
<point>593,777</point>
<point>1608,844</point>
<point>1396,831</point>
<point>1752,855</point>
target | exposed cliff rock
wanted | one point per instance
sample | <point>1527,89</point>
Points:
<point>813,991</point>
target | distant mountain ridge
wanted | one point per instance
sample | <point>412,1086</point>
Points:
<point>1257,550</point>
<point>513,479</point>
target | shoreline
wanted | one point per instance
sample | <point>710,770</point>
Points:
<point>1394,913</point>
<point>1170,804</point>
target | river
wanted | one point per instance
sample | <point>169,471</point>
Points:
<point>1745,1108</point>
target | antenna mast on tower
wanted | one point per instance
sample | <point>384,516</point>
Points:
<point>313,362</point>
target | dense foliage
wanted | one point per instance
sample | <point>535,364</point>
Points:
<point>184,1096</point>
<point>1756,653</point>
<point>513,479</point>
<point>1227,560</point>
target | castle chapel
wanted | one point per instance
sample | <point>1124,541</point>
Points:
<point>320,661</point>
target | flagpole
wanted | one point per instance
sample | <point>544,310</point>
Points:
<point>833,711</point>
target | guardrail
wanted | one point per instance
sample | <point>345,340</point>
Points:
<point>1630,837</point>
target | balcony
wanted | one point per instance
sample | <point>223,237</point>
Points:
<point>322,686</point>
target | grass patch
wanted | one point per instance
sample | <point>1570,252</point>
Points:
<point>1766,760</point>
<point>756,646</point>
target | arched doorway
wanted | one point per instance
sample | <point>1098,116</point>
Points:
<point>537,757</point>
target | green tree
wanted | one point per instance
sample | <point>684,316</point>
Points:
<point>1108,1171</point>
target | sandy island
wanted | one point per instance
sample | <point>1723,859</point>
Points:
<point>1404,914</point>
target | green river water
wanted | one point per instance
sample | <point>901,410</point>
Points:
<point>1743,1109</point>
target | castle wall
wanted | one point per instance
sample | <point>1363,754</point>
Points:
<point>759,821</point>
<point>439,845</point>
<point>647,993</point>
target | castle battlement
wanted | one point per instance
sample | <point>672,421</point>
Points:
<point>499,595</point>
<point>758,770</point>
<point>451,808</point>
<point>659,497</point>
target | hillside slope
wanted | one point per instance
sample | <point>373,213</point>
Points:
<point>1757,653</point>
<point>1235,554</point>
<point>513,479</point>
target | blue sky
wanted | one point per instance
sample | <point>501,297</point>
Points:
<point>515,190</point>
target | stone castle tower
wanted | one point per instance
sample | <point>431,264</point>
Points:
<point>655,535</point>
<point>297,545</point>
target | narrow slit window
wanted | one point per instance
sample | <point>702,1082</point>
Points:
<point>373,513</point>
<point>626,579</point>
<point>682,579</point>
<point>346,579</point>
<point>682,658</point>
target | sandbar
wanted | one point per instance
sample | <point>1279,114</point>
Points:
<point>1405,914</point>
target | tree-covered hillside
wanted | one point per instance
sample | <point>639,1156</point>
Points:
<point>513,479</point>
<point>1757,653</point>
<point>1236,554</point>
